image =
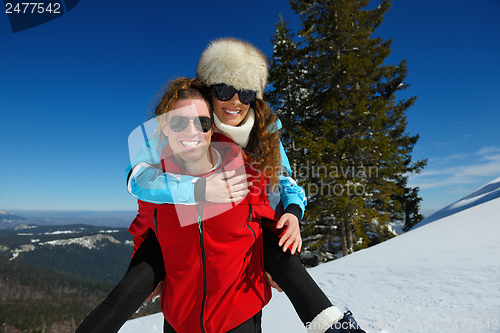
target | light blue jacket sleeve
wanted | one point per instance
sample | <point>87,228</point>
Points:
<point>291,193</point>
<point>147,181</point>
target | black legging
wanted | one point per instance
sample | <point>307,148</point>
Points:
<point>147,269</point>
<point>287,271</point>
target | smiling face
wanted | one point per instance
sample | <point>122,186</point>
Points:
<point>231,112</point>
<point>189,145</point>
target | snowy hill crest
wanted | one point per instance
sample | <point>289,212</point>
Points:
<point>485,193</point>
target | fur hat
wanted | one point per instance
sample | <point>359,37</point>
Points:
<point>235,63</point>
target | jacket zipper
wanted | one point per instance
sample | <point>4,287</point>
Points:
<point>202,245</point>
<point>200,228</point>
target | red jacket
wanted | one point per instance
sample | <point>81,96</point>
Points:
<point>212,252</point>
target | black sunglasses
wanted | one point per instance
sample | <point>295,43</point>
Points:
<point>180,123</point>
<point>224,93</point>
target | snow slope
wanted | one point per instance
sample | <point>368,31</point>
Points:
<point>442,276</point>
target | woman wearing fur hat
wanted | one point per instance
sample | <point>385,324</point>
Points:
<point>237,73</point>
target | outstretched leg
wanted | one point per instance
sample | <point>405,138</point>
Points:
<point>146,270</point>
<point>309,301</point>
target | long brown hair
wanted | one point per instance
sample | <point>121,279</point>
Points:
<point>264,143</point>
<point>180,89</point>
<point>183,88</point>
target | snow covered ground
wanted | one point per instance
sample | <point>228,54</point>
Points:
<point>442,276</point>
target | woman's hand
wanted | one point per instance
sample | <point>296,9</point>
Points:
<point>271,282</point>
<point>221,188</point>
<point>292,233</point>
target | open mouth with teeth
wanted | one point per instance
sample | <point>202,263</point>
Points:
<point>190,143</point>
<point>232,112</point>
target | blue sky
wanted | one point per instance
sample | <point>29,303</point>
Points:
<point>71,91</point>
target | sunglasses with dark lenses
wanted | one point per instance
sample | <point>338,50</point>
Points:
<point>224,93</point>
<point>179,123</point>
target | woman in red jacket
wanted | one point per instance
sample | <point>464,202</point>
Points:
<point>212,252</point>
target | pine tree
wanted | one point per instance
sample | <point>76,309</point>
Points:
<point>410,205</point>
<point>337,100</point>
<point>288,96</point>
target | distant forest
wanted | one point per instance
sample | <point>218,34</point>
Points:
<point>43,299</point>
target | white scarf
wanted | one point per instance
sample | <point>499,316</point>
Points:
<point>239,134</point>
